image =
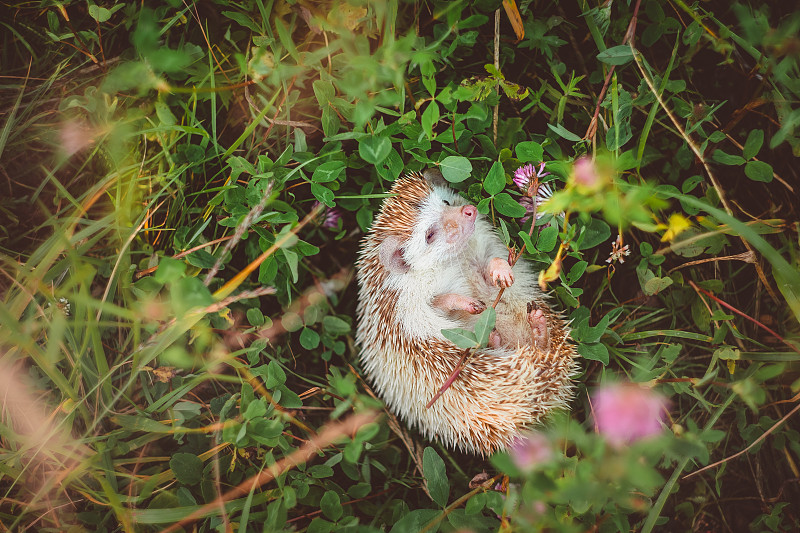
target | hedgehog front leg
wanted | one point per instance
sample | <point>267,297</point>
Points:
<point>452,302</point>
<point>499,272</point>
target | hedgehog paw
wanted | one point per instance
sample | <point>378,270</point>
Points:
<point>495,341</point>
<point>500,273</point>
<point>538,322</point>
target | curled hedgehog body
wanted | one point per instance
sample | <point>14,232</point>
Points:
<point>429,263</point>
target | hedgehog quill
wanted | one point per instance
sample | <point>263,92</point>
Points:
<point>432,262</point>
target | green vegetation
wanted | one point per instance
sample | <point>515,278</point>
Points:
<point>184,186</point>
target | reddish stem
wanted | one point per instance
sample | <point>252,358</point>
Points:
<point>453,376</point>
<point>740,313</point>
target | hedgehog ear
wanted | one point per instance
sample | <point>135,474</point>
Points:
<point>434,177</point>
<point>391,255</point>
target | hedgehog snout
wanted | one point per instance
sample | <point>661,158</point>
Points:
<point>459,222</point>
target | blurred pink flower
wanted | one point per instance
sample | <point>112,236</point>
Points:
<point>584,173</point>
<point>75,135</point>
<point>625,413</point>
<point>530,450</point>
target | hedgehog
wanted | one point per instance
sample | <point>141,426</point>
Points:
<point>430,262</point>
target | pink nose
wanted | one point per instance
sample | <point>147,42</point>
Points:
<point>469,211</point>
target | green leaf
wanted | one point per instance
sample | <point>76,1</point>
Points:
<point>506,205</point>
<point>528,151</point>
<point>188,294</point>
<point>364,218</point>
<point>576,271</point>
<point>596,352</point>
<point>616,55</point>
<point>255,409</point>
<point>187,467</point>
<point>323,194</point>
<point>596,232</point>
<point>201,259</point>
<point>255,317</point>
<point>758,171</point>
<point>727,353</point>
<point>414,521</point>
<point>690,183</point>
<point>547,239</point>
<point>430,117</point>
<point>330,122</point>
<point>100,14</point>
<point>292,262</point>
<point>716,136</point>
<point>331,506</point>
<point>309,339</point>
<point>463,338</point>
<point>164,114</point>
<point>727,159</point>
<point>327,171</point>
<point>485,325</point>
<point>320,471</point>
<point>495,180</point>
<point>169,270</point>
<point>335,325</point>
<point>374,148</point>
<point>436,476</point>
<point>561,131</point>
<point>753,144</point>
<point>275,375</point>
<point>586,334</point>
<point>455,168</point>
<point>526,239</point>
<point>265,431</point>
<point>324,91</point>
<point>655,285</point>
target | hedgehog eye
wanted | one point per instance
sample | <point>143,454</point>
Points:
<point>446,202</point>
<point>430,235</point>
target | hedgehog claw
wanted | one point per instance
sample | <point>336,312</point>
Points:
<point>500,273</point>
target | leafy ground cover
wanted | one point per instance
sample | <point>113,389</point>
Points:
<point>184,189</point>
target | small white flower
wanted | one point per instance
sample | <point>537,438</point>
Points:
<point>618,251</point>
<point>62,304</point>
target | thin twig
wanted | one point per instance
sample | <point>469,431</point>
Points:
<point>243,226</point>
<point>152,269</point>
<point>244,295</point>
<point>747,257</point>
<point>759,439</point>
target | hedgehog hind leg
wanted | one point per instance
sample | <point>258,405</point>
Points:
<point>539,326</point>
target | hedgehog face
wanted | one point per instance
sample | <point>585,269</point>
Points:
<point>442,229</point>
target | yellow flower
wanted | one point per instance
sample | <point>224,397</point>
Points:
<point>677,224</point>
